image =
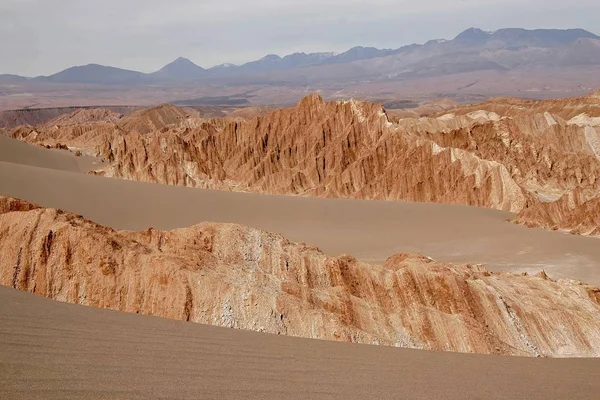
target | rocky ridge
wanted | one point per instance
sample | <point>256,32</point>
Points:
<point>337,149</point>
<point>566,108</point>
<point>234,276</point>
<point>83,116</point>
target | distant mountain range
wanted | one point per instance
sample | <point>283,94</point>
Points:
<point>472,50</point>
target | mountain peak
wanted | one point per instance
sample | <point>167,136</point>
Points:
<point>96,74</point>
<point>472,34</point>
<point>182,60</point>
<point>270,57</point>
<point>313,100</point>
<point>181,68</point>
<point>541,37</point>
<point>583,33</point>
<point>225,65</point>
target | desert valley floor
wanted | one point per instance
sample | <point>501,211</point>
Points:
<point>396,273</point>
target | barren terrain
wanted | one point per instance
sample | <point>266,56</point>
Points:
<point>429,216</point>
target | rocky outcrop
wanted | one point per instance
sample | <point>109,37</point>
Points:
<point>554,160</point>
<point>571,213</point>
<point>83,137</point>
<point>8,204</point>
<point>234,276</point>
<point>41,116</point>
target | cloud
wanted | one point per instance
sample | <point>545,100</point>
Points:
<point>44,36</point>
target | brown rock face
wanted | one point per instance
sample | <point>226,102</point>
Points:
<point>41,116</point>
<point>570,213</point>
<point>553,160</point>
<point>505,154</point>
<point>234,276</point>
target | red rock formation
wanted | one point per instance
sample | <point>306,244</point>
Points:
<point>234,276</point>
<point>544,154</point>
<point>41,116</point>
<point>8,204</point>
<point>557,162</point>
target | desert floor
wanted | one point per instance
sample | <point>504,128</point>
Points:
<point>53,350</point>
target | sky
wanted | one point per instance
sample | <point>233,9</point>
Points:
<point>41,37</point>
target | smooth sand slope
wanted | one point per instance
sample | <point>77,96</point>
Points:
<point>368,230</point>
<point>52,350</point>
<point>15,151</point>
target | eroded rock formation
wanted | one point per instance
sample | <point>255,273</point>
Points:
<point>545,155</point>
<point>234,276</point>
<point>337,149</point>
<point>556,161</point>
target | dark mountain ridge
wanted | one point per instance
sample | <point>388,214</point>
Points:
<point>471,50</point>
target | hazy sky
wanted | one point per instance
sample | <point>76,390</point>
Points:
<point>44,36</point>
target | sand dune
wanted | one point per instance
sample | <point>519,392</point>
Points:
<point>369,230</point>
<point>15,151</point>
<point>51,350</point>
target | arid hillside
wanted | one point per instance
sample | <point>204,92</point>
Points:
<point>38,116</point>
<point>234,276</point>
<point>565,108</point>
<point>508,154</point>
